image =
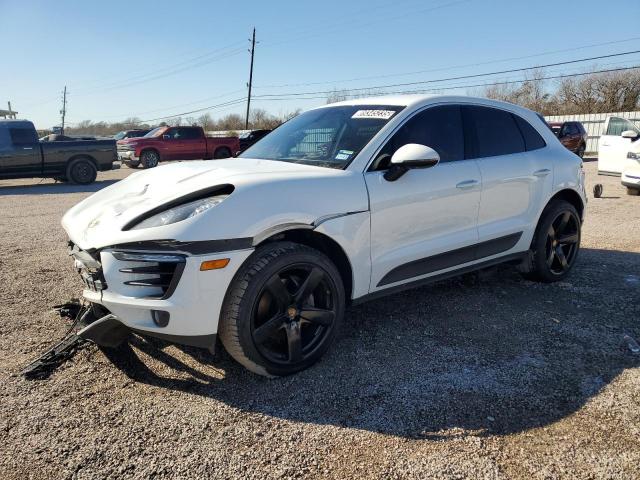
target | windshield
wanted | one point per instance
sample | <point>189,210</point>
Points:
<point>155,132</point>
<point>326,137</point>
<point>119,135</point>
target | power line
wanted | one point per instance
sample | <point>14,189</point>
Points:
<point>461,77</point>
<point>210,107</point>
<point>405,92</point>
<point>221,53</point>
<point>453,67</point>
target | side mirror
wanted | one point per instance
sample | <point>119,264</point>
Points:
<point>411,155</point>
<point>632,134</point>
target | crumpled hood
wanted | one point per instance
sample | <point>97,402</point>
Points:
<point>98,220</point>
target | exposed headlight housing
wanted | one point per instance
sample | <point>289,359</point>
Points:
<point>633,155</point>
<point>179,212</point>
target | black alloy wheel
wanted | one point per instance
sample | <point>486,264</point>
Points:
<point>563,237</point>
<point>294,314</point>
<point>555,244</point>
<point>282,309</point>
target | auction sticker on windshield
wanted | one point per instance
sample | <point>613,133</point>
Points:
<point>381,114</point>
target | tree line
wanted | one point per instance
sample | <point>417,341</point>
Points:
<point>591,93</point>
<point>259,119</point>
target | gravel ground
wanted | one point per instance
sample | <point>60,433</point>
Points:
<point>487,376</point>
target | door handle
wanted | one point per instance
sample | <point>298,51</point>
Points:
<point>467,184</point>
<point>542,173</point>
<point>27,148</point>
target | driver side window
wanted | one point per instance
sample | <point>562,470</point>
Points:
<point>437,127</point>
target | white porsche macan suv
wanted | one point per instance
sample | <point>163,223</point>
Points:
<point>341,204</point>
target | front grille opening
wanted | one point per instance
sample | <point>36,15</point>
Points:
<point>158,272</point>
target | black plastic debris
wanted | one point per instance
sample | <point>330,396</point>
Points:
<point>66,348</point>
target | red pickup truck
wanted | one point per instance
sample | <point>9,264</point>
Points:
<point>174,143</point>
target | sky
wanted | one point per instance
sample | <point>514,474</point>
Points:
<point>152,59</point>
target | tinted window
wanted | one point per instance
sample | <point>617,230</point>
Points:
<point>438,127</point>
<point>496,132</point>
<point>532,139</point>
<point>23,136</point>
<point>618,125</point>
<point>188,133</point>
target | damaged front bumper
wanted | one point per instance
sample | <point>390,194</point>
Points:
<point>159,294</point>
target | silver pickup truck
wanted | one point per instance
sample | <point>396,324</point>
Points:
<point>22,155</point>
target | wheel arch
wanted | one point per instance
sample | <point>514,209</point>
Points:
<point>83,156</point>
<point>221,148</point>
<point>326,245</point>
<point>572,197</point>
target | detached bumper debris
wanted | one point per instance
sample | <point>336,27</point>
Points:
<point>65,348</point>
<point>54,357</point>
<point>89,325</point>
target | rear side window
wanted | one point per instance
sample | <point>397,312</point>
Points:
<point>189,133</point>
<point>438,127</point>
<point>618,125</point>
<point>532,139</point>
<point>23,136</point>
<point>496,132</point>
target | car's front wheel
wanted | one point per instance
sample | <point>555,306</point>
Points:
<point>282,309</point>
<point>556,242</point>
<point>633,191</point>
<point>149,159</point>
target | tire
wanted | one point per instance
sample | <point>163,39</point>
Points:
<point>149,159</point>
<point>556,242</point>
<point>81,171</point>
<point>581,150</point>
<point>597,190</point>
<point>633,191</point>
<point>132,163</point>
<point>222,152</point>
<point>282,309</point>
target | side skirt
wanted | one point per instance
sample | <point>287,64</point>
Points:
<point>514,257</point>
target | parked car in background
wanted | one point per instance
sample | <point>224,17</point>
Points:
<point>617,146</point>
<point>342,204</point>
<point>22,155</point>
<point>249,138</point>
<point>130,134</point>
<point>572,135</point>
<point>174,143</point>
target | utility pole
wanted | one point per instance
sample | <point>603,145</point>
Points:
<point>64,108</point>
<point>253,49</point>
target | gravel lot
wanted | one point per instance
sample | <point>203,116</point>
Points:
<point>487,376</point>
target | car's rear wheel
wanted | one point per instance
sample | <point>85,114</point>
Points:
<point>222,152</point>
<point>82,171</point>
<point>556,242</point>
<point>149,159</point>
<point>633,191</point>
<point>282,309</point>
